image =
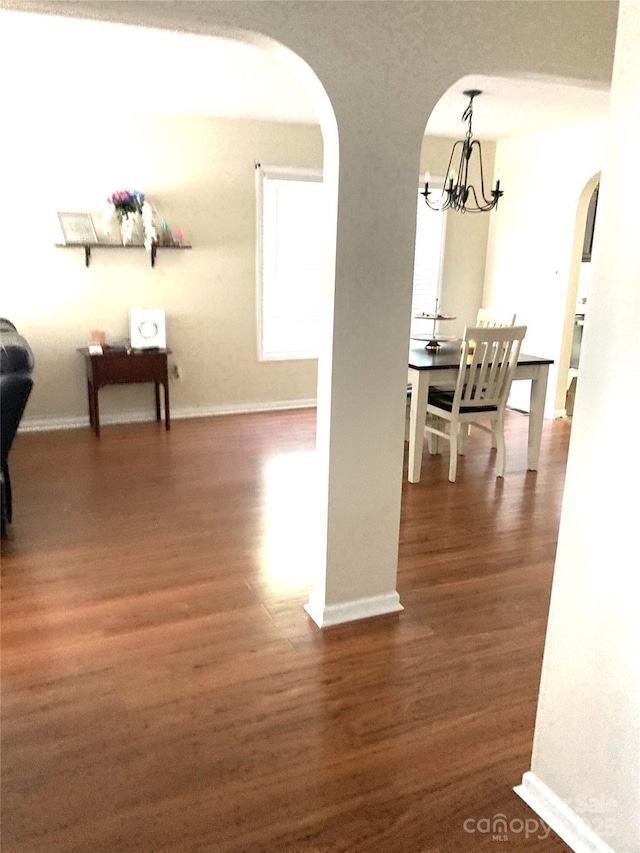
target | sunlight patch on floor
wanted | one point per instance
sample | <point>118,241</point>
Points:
<point>289,522</point>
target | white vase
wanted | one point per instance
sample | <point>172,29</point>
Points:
<point>126,229</point>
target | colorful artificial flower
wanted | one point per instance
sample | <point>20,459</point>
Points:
<point>126,202</point>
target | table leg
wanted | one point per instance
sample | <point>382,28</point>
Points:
<point>419,380</point>
<point>90,402</point>
<point>167,416</point>
<point>536,415</point>
<point>96,409</point>
<point>157,386</point>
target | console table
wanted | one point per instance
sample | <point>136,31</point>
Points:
<point>120,367</point>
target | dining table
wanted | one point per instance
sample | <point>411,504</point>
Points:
<point>429,367</point>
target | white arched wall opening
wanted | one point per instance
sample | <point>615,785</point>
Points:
<point>573,285</point>
<point>382,79</point>
<point>522,258</point>
<point>531,252</point>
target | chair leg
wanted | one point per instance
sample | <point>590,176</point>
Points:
<point>498,440</point>
<point>433,440</point>
<point>462,440</point>
<point>453,458</point>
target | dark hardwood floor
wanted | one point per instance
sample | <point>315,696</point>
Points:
<point>164,690</point>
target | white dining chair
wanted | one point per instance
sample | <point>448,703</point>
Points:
<point>487,361</point>
<point>486,317</point>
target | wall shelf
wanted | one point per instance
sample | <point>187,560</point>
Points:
<point>89,246</point>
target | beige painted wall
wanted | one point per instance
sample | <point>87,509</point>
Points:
<point>200,173</point>
<point>531,239</point>
<point>587,740</point>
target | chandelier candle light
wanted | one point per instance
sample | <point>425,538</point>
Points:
<point>458,193</point>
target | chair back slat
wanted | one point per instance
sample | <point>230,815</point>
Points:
<point>488,318</point>
<point>488,359</point>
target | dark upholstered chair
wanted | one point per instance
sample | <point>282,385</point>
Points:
<point>16,365</point>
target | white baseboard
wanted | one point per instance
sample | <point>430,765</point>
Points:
<point>241,408</point>
<point>50,424</point>
<point>560,817</point>
<point>43,424</point>
<point>363,608</point>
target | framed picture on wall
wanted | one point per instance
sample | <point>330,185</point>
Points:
<point>77,228</point>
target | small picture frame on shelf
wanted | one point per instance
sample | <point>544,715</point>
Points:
<point>77,228</point>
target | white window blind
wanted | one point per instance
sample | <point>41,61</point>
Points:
<point>290,224</point>
<point>290,254</point>
<point>427,270</point>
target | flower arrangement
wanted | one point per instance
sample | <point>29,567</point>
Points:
<point>126,204</point>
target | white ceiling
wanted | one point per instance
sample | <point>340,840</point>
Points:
<point>85,63</point>
<point>517,107</point>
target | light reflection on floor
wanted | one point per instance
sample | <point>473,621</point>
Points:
<point>290,517</point>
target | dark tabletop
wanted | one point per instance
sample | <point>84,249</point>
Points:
<point>449,356</point>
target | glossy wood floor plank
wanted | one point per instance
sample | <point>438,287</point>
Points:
<point>164,690</point>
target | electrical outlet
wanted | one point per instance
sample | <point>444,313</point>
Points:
<point>177,372</point>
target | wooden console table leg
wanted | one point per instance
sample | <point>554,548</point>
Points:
<point>96,409</point>
<point>90,402</point>
<point>167,417</point>
<point>157,384</point>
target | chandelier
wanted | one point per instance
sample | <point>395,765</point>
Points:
<point>458,193</point>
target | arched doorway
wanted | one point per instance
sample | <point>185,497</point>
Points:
<point>578,289</point>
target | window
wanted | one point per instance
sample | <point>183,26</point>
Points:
<point>427,268</point>
<point>290,220</point>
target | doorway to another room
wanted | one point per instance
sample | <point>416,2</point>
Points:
<point>584,281</point>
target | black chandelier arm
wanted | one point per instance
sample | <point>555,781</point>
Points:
<point>443,202</point>
<point>457,190</point>
<point>457,198</point>
<point>486,205</point>
<point>457,195</point>
<point>482,189</point>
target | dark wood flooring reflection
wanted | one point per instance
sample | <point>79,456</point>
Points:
<point>165,692</point>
